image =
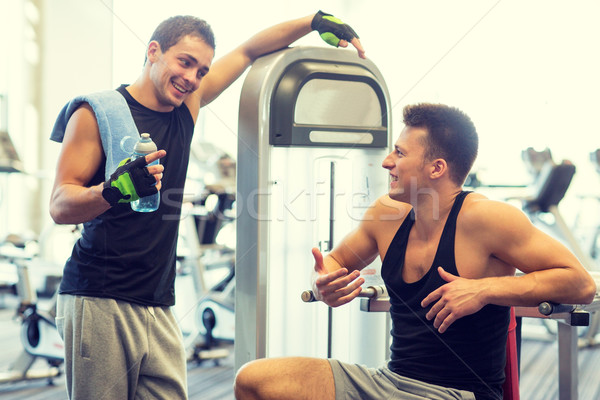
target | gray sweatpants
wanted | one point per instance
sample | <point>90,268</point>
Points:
<point>357,382</point>
<point>117,350</point>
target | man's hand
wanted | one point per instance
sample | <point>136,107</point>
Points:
<point>335,32</point>
<point>336,288</point>
<point>133,179</point>
<point>454,300</point>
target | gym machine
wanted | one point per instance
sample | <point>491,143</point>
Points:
<point>314,126</point>
<point>38,335</point>
<point>205,283</point>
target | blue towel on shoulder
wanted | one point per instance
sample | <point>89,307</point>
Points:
<point>114,122</point>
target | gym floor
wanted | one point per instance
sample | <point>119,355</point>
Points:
<point>206,381</point>
<point>539,371</point>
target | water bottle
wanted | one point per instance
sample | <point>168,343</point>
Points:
<point>145,146</point>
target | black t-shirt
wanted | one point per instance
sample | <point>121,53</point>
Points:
<point>471,354</point>
<point>127,255</point>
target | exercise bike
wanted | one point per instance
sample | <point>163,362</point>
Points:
<point>205,284</point>
<point>38,332</point>
<point>205,281</point>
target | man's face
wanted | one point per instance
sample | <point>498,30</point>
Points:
<point>405,164</point>
<point>177,73</point>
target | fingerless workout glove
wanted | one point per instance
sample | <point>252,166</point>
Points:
<point>130,181</point>
<point>331,29</point>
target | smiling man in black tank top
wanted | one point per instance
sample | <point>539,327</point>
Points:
<point>121,339</point>
<point>449,261</point>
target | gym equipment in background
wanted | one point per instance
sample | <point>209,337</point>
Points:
<point>551,182</point>
<point>205,284</point>
<point>39,336</point>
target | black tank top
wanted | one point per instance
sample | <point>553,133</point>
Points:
<point>471,354</point>
<point>128,255</point>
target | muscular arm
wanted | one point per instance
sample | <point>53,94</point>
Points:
<point>72,201</point>
<point>552,272</point>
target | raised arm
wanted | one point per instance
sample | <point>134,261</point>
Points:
<point>229,67</point>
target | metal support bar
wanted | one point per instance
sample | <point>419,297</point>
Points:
<point>568,318</point>
<point>329,248</point>
<point>372,292</point>
<point>567,362</point>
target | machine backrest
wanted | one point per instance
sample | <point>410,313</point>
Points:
<point>9,159</point>
<point>595,159</point>
<point>551,185</point>
<point>536,159</point>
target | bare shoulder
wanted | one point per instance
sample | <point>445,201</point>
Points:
<point>83,119</point>
<point>84,112</point>
<point>81,153</point>
<point>480,214</point>
<point>82,127</point>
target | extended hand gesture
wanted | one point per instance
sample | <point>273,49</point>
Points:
<point>337,287</point>
<point>454,300</point>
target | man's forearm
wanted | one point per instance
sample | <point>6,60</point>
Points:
<point>560,285</point>
<point>73,204</point>
<point>277,37</point>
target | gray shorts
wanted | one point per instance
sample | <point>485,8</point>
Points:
<point>353,381</point>
<point>118,350</point>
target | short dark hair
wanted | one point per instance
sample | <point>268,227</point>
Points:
<point>171,30</point>
<point>451,135</point>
